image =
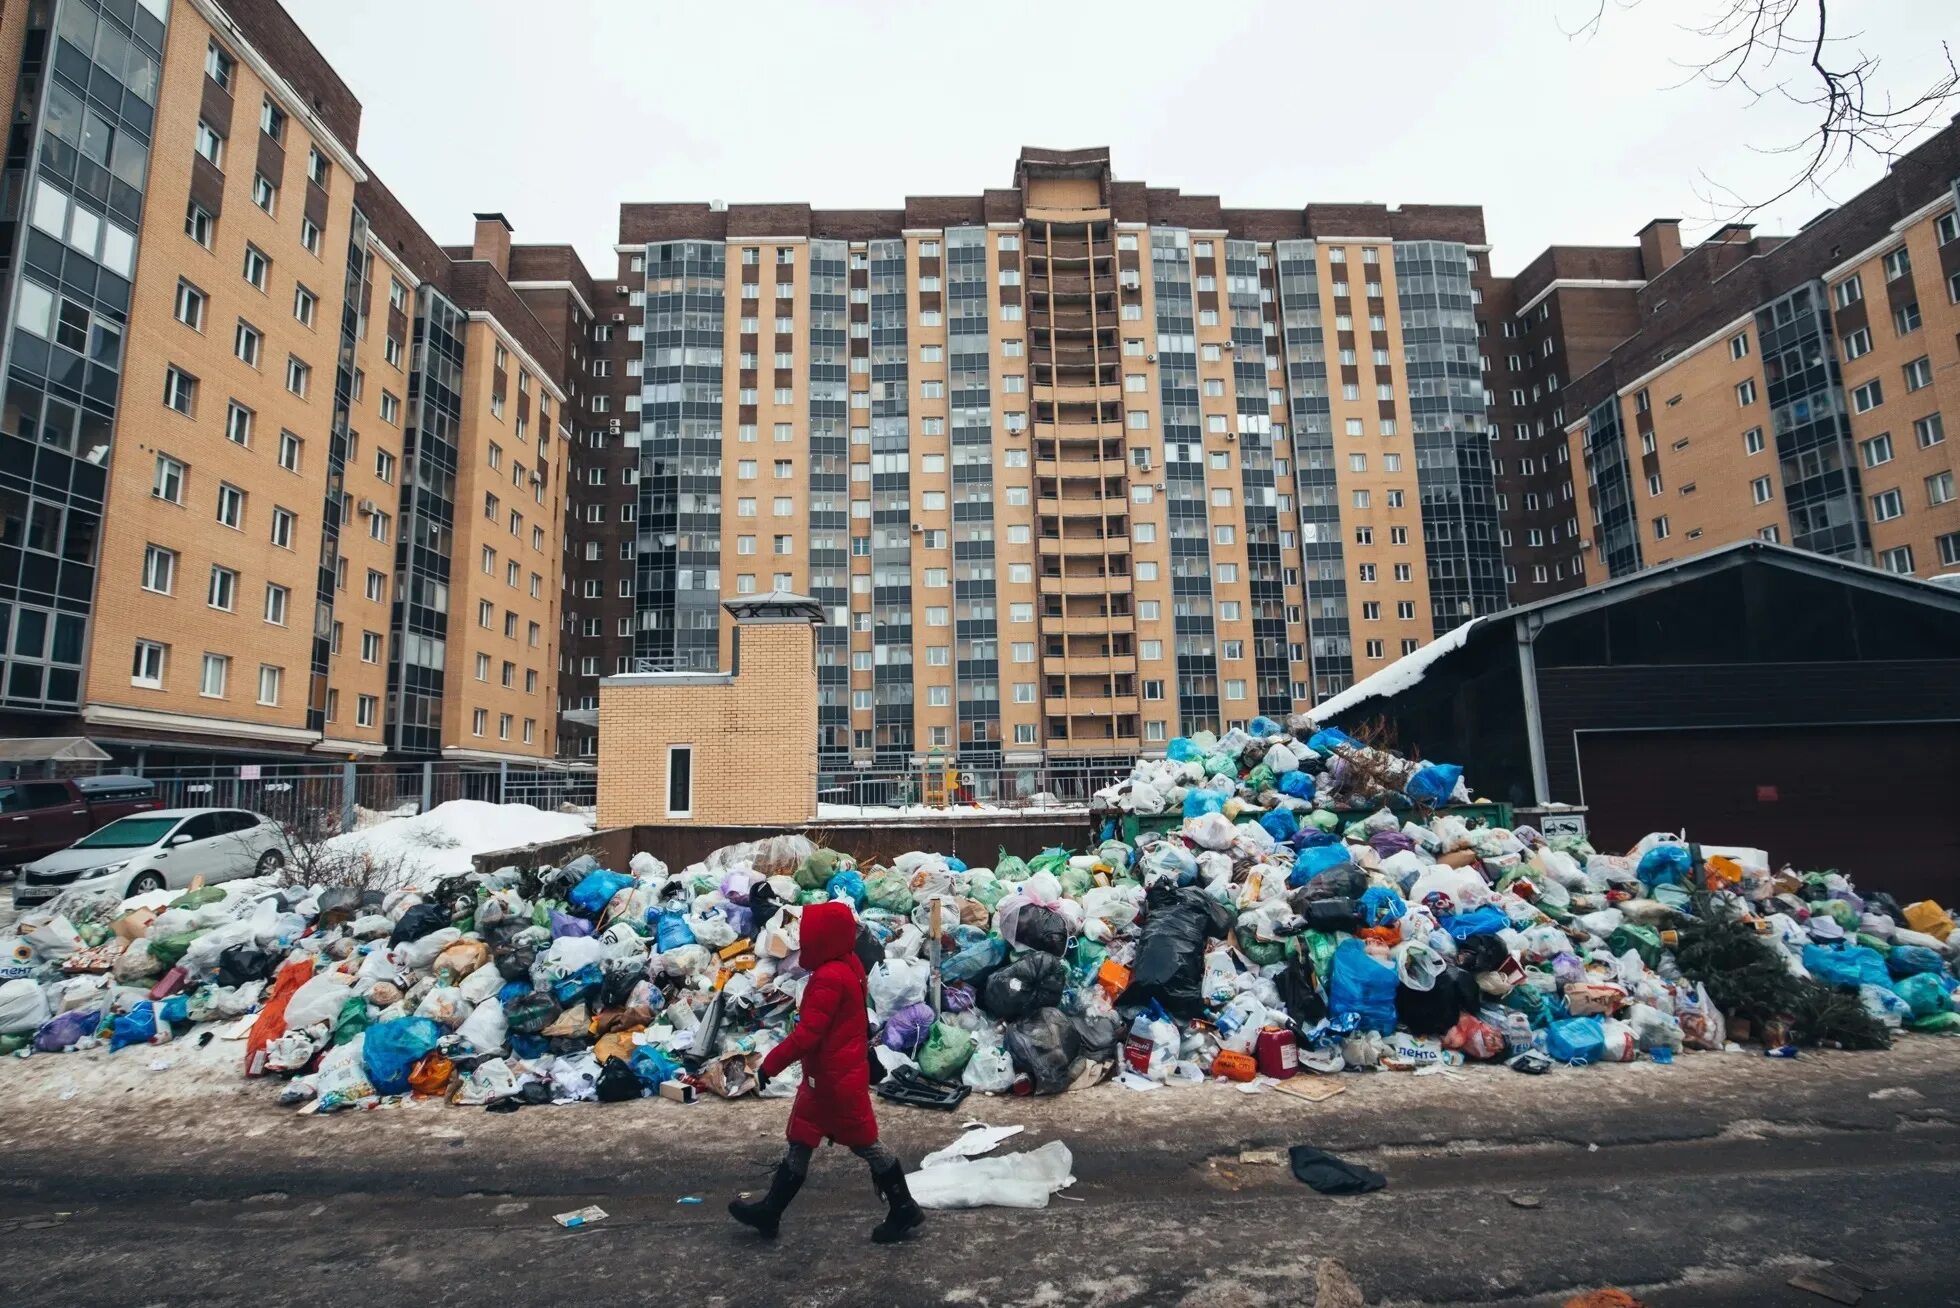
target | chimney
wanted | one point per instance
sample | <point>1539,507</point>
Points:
<point>1733,234</point>
<point>1660,246</point>
<point>492,242</point>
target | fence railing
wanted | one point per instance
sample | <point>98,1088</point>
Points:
<point>323,799</point>
<point>1034,785</point>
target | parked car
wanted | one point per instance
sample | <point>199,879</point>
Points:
<point>166,849</point>
<point>38,817</point>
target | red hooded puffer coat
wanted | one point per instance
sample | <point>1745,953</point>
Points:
<point>829,1038</point>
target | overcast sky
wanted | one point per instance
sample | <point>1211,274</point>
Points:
<point>556,113</point>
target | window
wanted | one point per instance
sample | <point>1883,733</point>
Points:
<point>1661,529</point>
<point>1898,264</point>
<point>264,194</point>
<point>256,266</point>
<point>1887,505</point>
<point>305,303</point>
<point>272,121</point>
<point>190,306</point>
<point>1848,292</point>
<point>1950,549</point>
<point>180,391</point>
<point>1653,483</point>
<point>289,451</point>
<point>1919,374</point>
<point>1745,393</point>
<point>146,668</point>
<point>1939,488</point>
<point>298,376</point>
<point>1752,441</point>
<point>199,225</point>
<point>1374,649</point>
<point>159,569</point>
<point>309,236</point>
<point>370,647</point>
<point>209,144</point>
<point>377,585</point>
<point>1898,559</point>
<point>1929,430</point>
<point>247,343</point>
<point>1738,345</point>
<point>216,672</point>
<point>1877,450</point>
<point>318,170</point>
<point>270,679</point>
<point>169,481</point>
<point>1858,344</point>
<point>231,505</point>
<point>680,780</point>
<point>276,598</point>
<point>282,528</point>
<point>364,708</point>
<point>1760,491</point>
<point>223,592</point>
<point>1867,397</point>
<point>1403,572</point>
<point>479,722</point>
<point>1905,319</point>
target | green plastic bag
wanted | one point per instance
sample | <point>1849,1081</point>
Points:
<point>1116,854</point>
<point>887,890</point>
<point>1049,860</point>
<point>1260,778</point>
<point>1644,941</point>
<point>1261,953</point>
<point>1075,882</point>
<point>817,870</point>
<point>943,1056</point>
<point>1530,1001</point>
<point>1320,946</point>
<point>1325,819</point>
<point>1947,1023</point>
<point>352,1020</point>
<point>169,950</point>
<point>1085,959</point>
<point>816,895</point>
<point>1923,994</point>
<point>987,890</point>
<point>1875,944</point>
<point>1011,867</point>
<point>1221,765</point>
<point>198,898</point>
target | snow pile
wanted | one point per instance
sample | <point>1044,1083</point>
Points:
<point>441,842</point>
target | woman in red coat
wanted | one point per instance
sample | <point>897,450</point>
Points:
<point>834,1100</point>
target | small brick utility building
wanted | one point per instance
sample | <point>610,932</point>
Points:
<point>1752,695</point>
<point>709,748</point>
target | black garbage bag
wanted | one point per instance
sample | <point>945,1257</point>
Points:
<point>1034,980</point>
<point>1482,953</point>
<point>1041,928</point>
<point>243,963</point>
<point>618,985</point>
<point>417,922</point>
<point>1044,1045</point>
<point>1881,902</point>
<point>514,961</point>
<point>1344,882</point>
<point>1095,1037</point>
<point>1432,1012</point>
<point>1170,959</point>
<point>1327,915</point>
<point>1299,990</point>
<point>617,1082</point>
<point>532,1013</point>
<point>869,949</point>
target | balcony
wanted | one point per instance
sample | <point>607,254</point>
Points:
<point>1090,585</point>
<point>1088,665</point>
<point>1093,745</point>
<point>1094,706</point>
<point>1086,624</point>
<point>1077,547</point>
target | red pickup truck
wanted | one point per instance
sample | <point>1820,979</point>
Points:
<point>39,817</point>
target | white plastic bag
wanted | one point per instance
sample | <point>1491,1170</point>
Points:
<point>52,937</point>
<point>896,982</point>
<point>23,1007</point>
<point>1001,1181</point>
<point>444,1005</point>
<point>318,1000</point>
<point>570,953</point>
<point>989,1070</point>
<point>420,955</point>
<point>486,1027</point>
<point>1209,831</point>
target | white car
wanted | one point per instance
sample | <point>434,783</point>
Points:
<point>165,849</point>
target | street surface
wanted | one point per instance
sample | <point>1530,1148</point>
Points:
<point>1710,1182</point>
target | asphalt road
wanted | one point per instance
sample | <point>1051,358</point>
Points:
<point>1707,1183</point>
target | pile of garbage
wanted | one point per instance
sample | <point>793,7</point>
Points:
<point>1275,900</point>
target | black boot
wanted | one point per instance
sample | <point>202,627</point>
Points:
<point>904,1216</point>
<point>765,1215</point>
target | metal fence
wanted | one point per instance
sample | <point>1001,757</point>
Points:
<point>932,785</point>
<point>322,799</point>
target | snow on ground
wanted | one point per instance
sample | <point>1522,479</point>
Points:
<point>441,842</point>
<point>955,812</point>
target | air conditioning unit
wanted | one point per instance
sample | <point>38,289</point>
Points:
<point>619,317</point>
<point>613,426</point>
<point>1230,346</point>
<point>366,508</point>
<point>537,478</point>
<point>623,289</point>
<point>1231,436</point>
<point>917,529</point>
<point>1150,358</point>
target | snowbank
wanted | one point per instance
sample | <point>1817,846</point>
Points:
<point>441,842</point>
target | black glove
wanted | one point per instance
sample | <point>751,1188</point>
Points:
<point>761,1079</point>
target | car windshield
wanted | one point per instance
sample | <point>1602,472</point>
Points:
<point>128,833</point>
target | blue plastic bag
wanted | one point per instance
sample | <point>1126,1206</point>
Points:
<point>652,1066</point>
<point>1297,784</point>
<point>1199,801</point>
<point>136,1027</point>
<point>1280,824</point>
<point>671,930</point>
<point>390,1049</point>
<point>974,959</point>
<point>1846,967</point>
<point>1315,859</point>
<point>177,1008</point>
<point>1361,989</point>
<point>1923,994</point>
<point>1911,960</point>
<point>1485,921</point>
<point>1324,741</point>
<point>592,894</point>
<point>1663,865</point>
<point>954,864</point>
<point>1433,784</point>
<point>1381,906</point>
<point>1576,1040</point>
<point>1183,750</point>
<point>1263,726</point>
<point>573,985</point>
<point>848,884</point>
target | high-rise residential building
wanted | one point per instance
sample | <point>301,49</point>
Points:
<point>1076,465</point>
<point>279,475</point>
<point>1798,389</point>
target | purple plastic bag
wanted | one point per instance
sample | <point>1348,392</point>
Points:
<point>957,997</point>
<point>564,924</point>
<point>64,1029</point>
<point>741,917</point>
<point>1390,842</point>
<point>906,1029</point>
<point>1568,969</point>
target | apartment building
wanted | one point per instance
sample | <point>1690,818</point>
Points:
<point>282,476</point>
<point>1076,464</point>
<point>1797,389</point>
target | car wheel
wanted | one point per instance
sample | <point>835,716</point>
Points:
<point>269,862</point>
<point>144,882</point>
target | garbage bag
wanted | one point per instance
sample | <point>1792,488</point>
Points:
<point>1846,968</point>
<point>1024,1180</point>
<point>23,1007</point>
<point>618,1082</point>
<point>390,1050</point>
<point>1910,960</point>
<point>1044,1045</point>
<point>1361,988</point>
<point>907,1028</point>
<point>946,1051</point>
<point>1299,991</point>
<point>1280,824</point>
<point>1170,957</point>
<point>1577,1039</point>
<point>1034,980</point>
<point>975,960</point>
<point>531,1013</point>
<point>243,964</point>
<point>896,983</point>
<point>565,925</point>
<point>1923,994</point>
<point>1433,784</point>
<point>591,895</point>
<point>1315,859</point>
<point>1663,865</point>
<point>1036,927</point>
<point>417,922</point>
<point>989,1069</point>
<point>486,1028</point>
<point>64,1029</point>
<point>653,1067</point>
<point>1434,1011</point>
<point>136,1027</point>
